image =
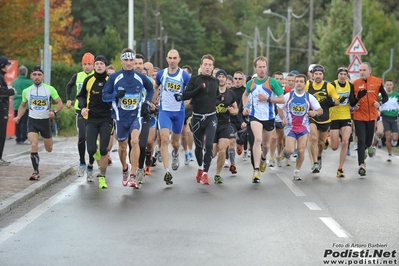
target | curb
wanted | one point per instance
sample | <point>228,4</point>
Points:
<point>16,200</point>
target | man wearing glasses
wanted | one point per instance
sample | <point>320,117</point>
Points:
<point>38,98</point>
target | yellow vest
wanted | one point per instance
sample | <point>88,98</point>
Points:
<point>80,77</point>
<point>341,111</point>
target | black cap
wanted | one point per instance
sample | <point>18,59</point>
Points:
<point>37,68</point>
<point>4,62</point>
<point>101,58</point>
<point>318,68</point>
<point>221,72</point>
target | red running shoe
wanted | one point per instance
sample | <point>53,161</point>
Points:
<point>34,176</point>
<point>205,180</point>
<point>233,169</point>
<point>199,175</point>
<point>239,151</point>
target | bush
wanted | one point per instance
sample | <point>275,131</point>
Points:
<point>66,122</point>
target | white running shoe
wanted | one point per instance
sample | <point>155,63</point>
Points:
<point>140,177</point>
<point>81,170</point>
<point>175,161</point>
<point>90,175</point>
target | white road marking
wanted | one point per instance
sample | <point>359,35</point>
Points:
<point>335,227</point>
<point>291,185</point>
<point>312,206</point>
<point>25,220</point>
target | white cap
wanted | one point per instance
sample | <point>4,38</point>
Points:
<point>310,68</point>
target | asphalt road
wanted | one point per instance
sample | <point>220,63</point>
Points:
<point>276,222</point>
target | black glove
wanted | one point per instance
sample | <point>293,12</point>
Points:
<point>120,94</point>
<point>145,110</point>
<point>328,102</point>
<point>343,99</point>
<point>178,97</point>
<point>361,94</point>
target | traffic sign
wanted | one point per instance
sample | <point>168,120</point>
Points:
<point>354,65</point>
<point>356,47</point>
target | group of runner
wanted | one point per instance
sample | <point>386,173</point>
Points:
<point>144,105</point>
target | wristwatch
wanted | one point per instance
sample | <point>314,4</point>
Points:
<point>269,100</point>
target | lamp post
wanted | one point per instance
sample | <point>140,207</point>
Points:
<point>255,42</point>
<point>287,31</point>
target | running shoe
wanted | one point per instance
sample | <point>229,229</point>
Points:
<point>340,173</point>
<point>186,158</point>
<point>394,143</point>
<point>238,151</point>
<point>204,178</point>
<point>315,168</point>
<point>226,163</point>
<point>389,158</point>
<point>140,176</point>
<point>355,146</point>
<point>362,171</point>
<point>256,177</point>
<point>199,175</point>
<point>148,159</point>
<point>288,161</point>
<point>370,151</point>
<point>175,161</point>
<point>4,163</point>
<point>379,143</point>
<point>245,156</point>
<point>218,179</point>
<point>34,176</point>
<point>101,182</point>
<point>280,160</point>
<point>125,177</point>
<point>297,176</point>
<point>272,162</point>
<point>132,182</point>
<point>191,156</point>
<point>90,175</point>
<point>348,153</point>
<point>81,170</point>
<point>295,154</point>
<point>168,178</point>
<point>147,170</point>
<point>262,165</point>
<point>154,162</point>
<point>233,168</point>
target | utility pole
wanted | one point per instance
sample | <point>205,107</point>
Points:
<point>357,21</point>
<point>131,24</point>
<point>147,45</point>
<point>288,45</point>
<point>47,52</point>
<point>310,41</point>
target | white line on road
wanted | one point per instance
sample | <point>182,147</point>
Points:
<point>335,227</point>
<point>291,185</point>
<point>22,222</point>
<point>312,206</point>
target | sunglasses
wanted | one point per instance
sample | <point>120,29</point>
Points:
<point>237,78</point>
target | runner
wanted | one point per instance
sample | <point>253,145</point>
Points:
<point>295,112</point>
<point>98,115</point>
<point>265,91</point>
<point>366,110</point>
<point>171,110</point>
<point>187,136</point>
<point>77,81</point>
<point>225,105</point>
<point>389,113</point>
<point>124,89</point>
<point>341,123</point>
<point>38,98</point>
<point>202,90</point>
<point>326,95</point>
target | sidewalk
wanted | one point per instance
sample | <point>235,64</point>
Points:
<point>15,186</point>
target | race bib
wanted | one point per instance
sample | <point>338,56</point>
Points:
<point>39,103</point>
<point>173,85</point>
<point>130,101</point>
<point>299,110</point>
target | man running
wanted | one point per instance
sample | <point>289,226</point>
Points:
<point>203,90</point>
<point>125,89</point>
<point>389,113</point>
<point>171,110</point>
<point>38,98</point>
<point>295,112</point>
<point>265,92</point>
<point>77,81</point>
<point>340,115</point>
<point>99,120</point>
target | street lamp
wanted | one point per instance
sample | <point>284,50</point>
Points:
<point>255,41</point>
<point>247,50</point>
<point>287,31</point>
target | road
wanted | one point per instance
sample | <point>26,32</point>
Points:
<point>276,222</point>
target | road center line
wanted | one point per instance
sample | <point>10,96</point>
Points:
<point>291,185</point>
<point>335,227</point>
<point>312,206</point>
<point>25,220</point>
